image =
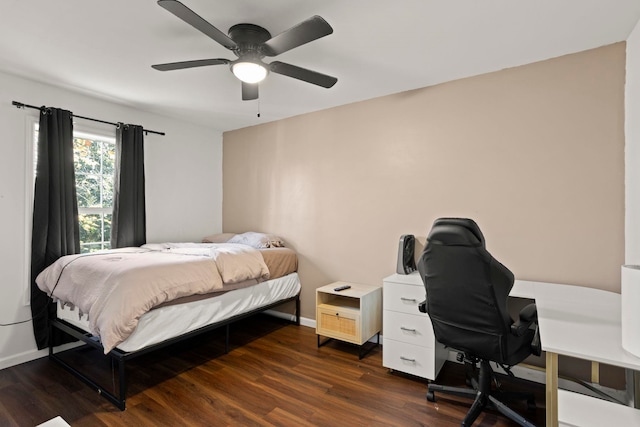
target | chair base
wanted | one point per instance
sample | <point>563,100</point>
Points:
<point>484,397</point>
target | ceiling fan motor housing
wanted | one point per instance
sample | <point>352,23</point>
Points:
<point>249,38</point>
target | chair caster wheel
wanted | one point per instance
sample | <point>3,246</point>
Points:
<point>431,397</point>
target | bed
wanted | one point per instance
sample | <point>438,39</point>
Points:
<point>131,301</point>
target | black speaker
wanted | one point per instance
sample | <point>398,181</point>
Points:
<point>406,261</point>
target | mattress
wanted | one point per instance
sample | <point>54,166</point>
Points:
<point>174,320</point>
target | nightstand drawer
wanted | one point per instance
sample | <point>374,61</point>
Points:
<point>410,328</point>
<point>403,298</point>
<point>409,358</point>
<point>338,323</point>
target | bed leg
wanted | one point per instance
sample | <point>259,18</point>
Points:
<point>122,375</point>
<point>226,338</point>
<point>50,343</point>
<point>298,310</point>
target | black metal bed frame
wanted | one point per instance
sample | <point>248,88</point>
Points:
<point>121,357</point>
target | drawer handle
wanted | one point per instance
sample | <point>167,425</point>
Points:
<point>408,299</point>
<point>408,329</point>
<point>406,359</point>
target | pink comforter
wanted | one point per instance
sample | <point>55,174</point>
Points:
<point>114,288</point>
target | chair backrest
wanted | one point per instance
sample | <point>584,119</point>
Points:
<point>467,289</point>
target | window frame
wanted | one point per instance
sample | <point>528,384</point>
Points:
<point>30,122</point>
<point>92,135</point>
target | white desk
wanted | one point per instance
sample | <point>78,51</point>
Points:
<point>583,323</point>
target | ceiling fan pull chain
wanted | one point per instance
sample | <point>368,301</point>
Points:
<point>258,107</point>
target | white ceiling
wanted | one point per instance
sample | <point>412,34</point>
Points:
<point>379,47</point>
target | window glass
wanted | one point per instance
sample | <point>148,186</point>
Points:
<point>94,162</point>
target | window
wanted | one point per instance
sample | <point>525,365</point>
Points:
<point>94,160</point>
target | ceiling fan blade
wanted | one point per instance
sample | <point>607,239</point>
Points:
<point>302,74</point>
<point>189,64</point>
<point>249,91</point>
<point>195,20</point>
<point>305,32</point>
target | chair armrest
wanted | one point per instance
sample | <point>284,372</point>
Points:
<point>423,306</point>
<point>527,317</point>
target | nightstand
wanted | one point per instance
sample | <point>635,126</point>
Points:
<point>352,315</point>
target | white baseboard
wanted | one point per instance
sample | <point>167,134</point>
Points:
<point>304,321</point>
<point>538,375</point>
<point>17,359</point>
<point>522,371</point>
<point>526,372</point>
<point>28,356</point>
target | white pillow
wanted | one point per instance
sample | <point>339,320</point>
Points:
<point>218,238</point>
<point>258,240</point>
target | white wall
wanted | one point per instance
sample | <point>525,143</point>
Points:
<point>632,149</point>
<point>184,190</point>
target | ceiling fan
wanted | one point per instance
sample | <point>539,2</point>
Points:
<point>250,43</point>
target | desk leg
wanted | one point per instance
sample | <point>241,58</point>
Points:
<point>595,372</point>
<point>633,387</point>
<point>552,389</point>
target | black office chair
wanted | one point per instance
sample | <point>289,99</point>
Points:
<point>467,291</point>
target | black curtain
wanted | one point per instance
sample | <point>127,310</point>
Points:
<point>128,226</point>
<point>55,213</point>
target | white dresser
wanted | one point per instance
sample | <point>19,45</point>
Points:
<point>408,341</point>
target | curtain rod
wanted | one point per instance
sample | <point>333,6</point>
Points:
<point>22,105</point>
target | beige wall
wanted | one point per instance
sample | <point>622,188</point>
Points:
<point>535,154</point>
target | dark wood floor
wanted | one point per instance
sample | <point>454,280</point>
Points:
<point>274,375</point>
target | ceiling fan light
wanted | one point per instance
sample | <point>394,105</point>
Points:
<point>249,72</point>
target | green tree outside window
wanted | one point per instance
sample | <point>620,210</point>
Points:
<point>94,161</point>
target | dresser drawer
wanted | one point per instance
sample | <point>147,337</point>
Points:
<point>409,358</point>
<point>403,298</point>
<point>410,328</point>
